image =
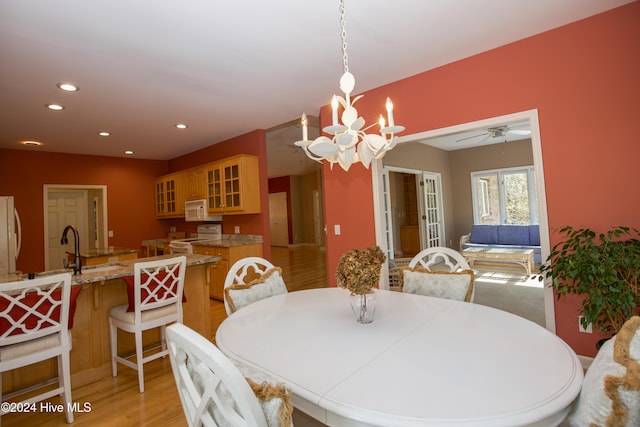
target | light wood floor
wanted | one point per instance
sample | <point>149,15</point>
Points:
<point>117,402</point>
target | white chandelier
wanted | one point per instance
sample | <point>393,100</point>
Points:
<point>350,143</point>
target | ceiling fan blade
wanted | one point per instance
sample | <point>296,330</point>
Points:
<point>519,131</point>
<point>474,136</point>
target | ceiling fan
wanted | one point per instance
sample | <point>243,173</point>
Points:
<point>499,132</point>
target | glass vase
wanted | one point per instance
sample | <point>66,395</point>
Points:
<point>364,306</point>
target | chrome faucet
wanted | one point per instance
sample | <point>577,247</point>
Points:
<point>76,264</point>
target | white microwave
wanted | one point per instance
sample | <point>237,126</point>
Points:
<point>196,210</point>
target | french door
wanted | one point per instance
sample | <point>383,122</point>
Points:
<point>431,217</point>
<point>432,229</point>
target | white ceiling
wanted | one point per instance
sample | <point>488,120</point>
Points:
<point>226,67</point>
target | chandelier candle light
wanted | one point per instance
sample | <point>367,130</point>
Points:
<point>350,143</point>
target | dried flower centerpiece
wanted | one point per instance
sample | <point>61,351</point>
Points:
<point>359,271</point>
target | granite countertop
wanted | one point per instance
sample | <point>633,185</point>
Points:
<point>101,252</point>
<point>111,271</point>
<point>230,240</point>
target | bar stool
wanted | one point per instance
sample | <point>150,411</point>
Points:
<point>155,300</point>
<point>35,322</point>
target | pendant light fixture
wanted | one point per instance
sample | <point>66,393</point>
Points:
<point>349,142</point>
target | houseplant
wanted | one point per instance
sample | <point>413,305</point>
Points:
<point>359,271</point>
<point>602,268</point>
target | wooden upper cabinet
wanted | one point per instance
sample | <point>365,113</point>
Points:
<point>233,186</point>
<point>196,184</point>
<point>169,190</point>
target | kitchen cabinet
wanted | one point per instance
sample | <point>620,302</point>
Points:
<point>196,184</point>
<point>218,271</point>
<point>170,196</point>
<point>233,186</point>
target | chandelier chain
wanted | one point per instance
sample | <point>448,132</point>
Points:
<point>345,58</point>
<point>348,141</point>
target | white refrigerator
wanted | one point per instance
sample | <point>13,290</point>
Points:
<point>10,235</point>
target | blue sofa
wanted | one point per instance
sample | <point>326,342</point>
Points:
<point>504,236</point>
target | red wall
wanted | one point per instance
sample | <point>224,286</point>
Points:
<point>582,78</point>
<point>130,186</point>
<point>130,192</point>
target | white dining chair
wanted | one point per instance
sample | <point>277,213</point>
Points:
<point>155,301</point>
<point>34,326</point>
<point>610,393</point>
<point>249,280</point>
<point>213,390</point>
<point>440,272</point>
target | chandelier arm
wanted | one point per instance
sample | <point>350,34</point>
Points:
<point>369,127</point>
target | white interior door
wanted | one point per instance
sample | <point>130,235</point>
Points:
<point>278,219</point>
<point>388,214</point>
<point>432,229</point>
<point>65,208</point>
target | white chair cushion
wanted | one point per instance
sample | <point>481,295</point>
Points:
<point>120,313</point>
<point>440,284</point>
<point>269,284</point>
<point>30,347</point>
<point>610,394</point>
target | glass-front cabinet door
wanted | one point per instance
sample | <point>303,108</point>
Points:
<point>214,189</point>
<point>160,203</point>
<point>231,176</point>
<point>233,186</point>
<point>170,196</point>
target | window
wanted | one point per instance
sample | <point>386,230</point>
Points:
<point>504,196</point>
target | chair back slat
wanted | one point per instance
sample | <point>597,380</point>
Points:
<point>33,309</point>
<point>212,390</point>
<point>34,327</point>
<point>440,256</point>
<point>250,267</point>
<point>158,284</point>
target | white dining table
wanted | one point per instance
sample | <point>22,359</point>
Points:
<point>423,361</point>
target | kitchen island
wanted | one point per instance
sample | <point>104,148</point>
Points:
<point>230,248</point>
<point>104,287</point>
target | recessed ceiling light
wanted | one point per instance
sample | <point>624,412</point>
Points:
<point>128,152</point>
<point>68,87</point>
<point>55,107</point>
<point>32,143</point>
<point>104,133</point>
<point>181,126</point>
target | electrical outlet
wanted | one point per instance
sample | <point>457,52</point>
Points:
<point>588,330</point>
<point>236,229</point>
